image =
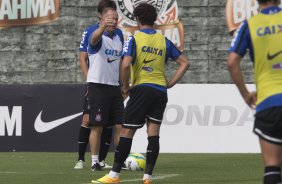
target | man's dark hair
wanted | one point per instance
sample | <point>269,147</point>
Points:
<point>106,4</point>
<point>146,13</point>
<point>266,1</point>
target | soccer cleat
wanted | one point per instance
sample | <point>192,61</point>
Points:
<point>79,164</point>
<point>96,167</point>
<point>104,165</point>
<point>147,181</point>
<point>106,179</point>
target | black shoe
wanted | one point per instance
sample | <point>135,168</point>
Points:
<point>96,167</point>
<point>104,165</point>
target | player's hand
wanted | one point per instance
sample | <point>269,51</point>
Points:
<point>106,22</point>
<point>250,99</point>
<point>124,96</point>
<point>125,91</point>
<point>167,83</point>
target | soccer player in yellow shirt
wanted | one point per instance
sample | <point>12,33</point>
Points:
<point>262,35</point>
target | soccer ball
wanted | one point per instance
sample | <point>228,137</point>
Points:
<point>135,162</point>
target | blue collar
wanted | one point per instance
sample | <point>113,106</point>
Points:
<point>271,10</point>
<point>148,31</point>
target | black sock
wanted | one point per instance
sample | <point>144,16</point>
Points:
<point>105,143</point>
<point>272,175</point>
<point>121,153</point>
<point>83,142</point>
<point>152,153</point>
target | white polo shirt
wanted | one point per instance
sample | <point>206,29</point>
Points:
<point>104,59</point>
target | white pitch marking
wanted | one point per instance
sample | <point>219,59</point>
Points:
<point>140,179</point>
<point>9,172</point>
<point>154,178</point>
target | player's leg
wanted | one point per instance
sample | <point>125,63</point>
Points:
<point>154,119</point>
<point>153,148</point>
<point>118,128</point>
<point>117,114</point>
<point>122,150</point>
<point>134,118</point>
<point>105,142</point>
<point>99,117</point>
<point>268,126</point>
<point>94,140</point>
<point>121,153</point>
<point>84,132</point>
<point>83,139</point>
<point>272,157</point>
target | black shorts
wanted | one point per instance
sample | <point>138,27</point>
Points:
<point>145,103</point>
<point>106,105</point>
<point>268,125</point>
<point>86,102</point>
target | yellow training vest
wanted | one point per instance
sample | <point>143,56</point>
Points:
<point>266,36</point>
<point>149,64</point>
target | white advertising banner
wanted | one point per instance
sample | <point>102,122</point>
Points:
<point>204,118</point>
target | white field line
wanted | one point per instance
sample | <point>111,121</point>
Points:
<point>9,172</point>
<point>158,177</point>
<point>154,178</point>
<point>33,173</point>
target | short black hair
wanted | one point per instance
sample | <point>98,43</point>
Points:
<point>105,4</point>
<point>146,13</point>
<point>266,1</point>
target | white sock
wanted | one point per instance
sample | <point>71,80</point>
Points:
<point>95,159</point>
<point>113,174</point>
<point>147,176</point>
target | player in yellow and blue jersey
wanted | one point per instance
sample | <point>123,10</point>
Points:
<point>146,53</point>
<point>262,35</point>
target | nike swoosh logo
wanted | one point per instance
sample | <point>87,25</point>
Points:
<point>148,61</point>
<point>41,126</point>
<point>270,57</point>
<point>111,60</point>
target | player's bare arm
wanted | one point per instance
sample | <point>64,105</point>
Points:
<point>234,68</point>
<point>97,35</point>
<point>125,74</point>
<point>83,63</point>
<point>184,64</point>
<point>104,23</point>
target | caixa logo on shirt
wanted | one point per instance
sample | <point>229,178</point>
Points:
<point>269,30</point>
<point>113,52</point>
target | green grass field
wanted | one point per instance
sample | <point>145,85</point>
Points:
<point>57,168</point>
